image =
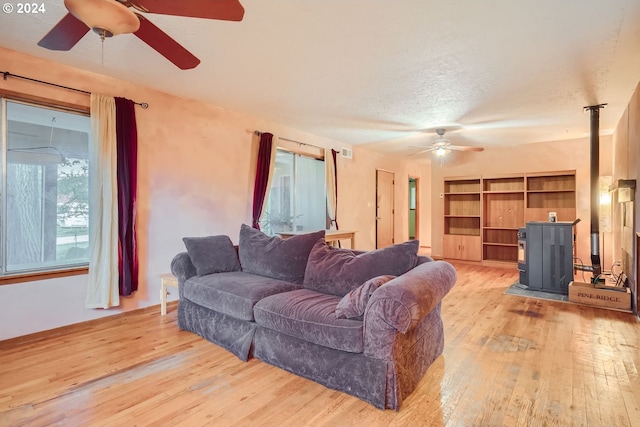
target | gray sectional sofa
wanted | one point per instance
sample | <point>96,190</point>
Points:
<point>364,323</point>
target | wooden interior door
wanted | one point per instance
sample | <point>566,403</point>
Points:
<point>384,208</point>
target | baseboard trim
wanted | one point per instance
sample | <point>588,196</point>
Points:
<point>75,327</point>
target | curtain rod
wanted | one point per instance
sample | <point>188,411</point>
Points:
<point>6,74</point>
<point>257,132</point>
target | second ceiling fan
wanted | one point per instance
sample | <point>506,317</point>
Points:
<point>112,17</point>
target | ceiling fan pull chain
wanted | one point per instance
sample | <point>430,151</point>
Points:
<point>102,47</point>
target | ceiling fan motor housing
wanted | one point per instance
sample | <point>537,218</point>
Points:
<point>106,17</point>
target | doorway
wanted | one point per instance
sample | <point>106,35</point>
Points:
<point>384,208</point>
<point>414,208</point>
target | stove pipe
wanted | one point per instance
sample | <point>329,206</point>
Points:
<point>594,111</point>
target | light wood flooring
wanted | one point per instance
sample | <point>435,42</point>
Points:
<point>508,361</point>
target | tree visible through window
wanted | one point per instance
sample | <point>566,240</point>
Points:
<point>46,205</point>
<point>297,198</point>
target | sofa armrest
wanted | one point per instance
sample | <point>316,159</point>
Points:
<point>404,301</point>
<point>424,258</point>
<point>182,267</point>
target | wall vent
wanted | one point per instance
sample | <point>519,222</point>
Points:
<point>347,153</point>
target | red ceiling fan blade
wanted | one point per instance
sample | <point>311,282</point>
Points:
<point>226,10</point>
<point>464,148</point>
<point>165,45</point>
<point>65,34</point>
<point>420,152</point>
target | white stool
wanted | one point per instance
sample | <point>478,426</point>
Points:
<point>166,279</point>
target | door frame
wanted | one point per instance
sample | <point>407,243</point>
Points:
<point>416,179</point>
<point>393,210</point>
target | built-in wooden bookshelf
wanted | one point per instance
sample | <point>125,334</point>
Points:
<point>483,214</point>
<point>462,212</point>
<point>503,214</point>
<point>551,193</point>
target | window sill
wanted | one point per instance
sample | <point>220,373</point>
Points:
<point>44,275</point>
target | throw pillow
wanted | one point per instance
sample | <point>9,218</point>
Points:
<point>353,304</point>
<point>212,254</point>
<point>338,271</point>
<point>275,257</point>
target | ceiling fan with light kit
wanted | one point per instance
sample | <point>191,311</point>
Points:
<point>441,146</point>
<point>109,18</point>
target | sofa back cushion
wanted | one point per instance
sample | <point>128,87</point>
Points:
<point>338,271</point>
<point>212,254</point>
<point>275,257</point>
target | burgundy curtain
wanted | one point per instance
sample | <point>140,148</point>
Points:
<point>262,177</point>
<point>335,174</point>
<point>127,174</point>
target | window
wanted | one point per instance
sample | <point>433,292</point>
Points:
<point>44,214</point>
<point>297,198</point>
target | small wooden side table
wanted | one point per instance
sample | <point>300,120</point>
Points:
<point>329,235</point>
<point>166,279</point>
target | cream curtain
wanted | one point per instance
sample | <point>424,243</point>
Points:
<point>102,290</point>
<point>332,197</point>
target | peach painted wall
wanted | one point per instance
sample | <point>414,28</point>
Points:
<point>426,211</point>
<point>540,157</point>
<point>357,187</point>
<point>196,163</point>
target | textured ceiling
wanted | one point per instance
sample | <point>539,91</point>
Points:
<point>387,73</point>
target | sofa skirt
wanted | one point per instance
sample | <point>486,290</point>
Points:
<point>351,373</point>
<point>382,383</point>
<point>414,352</point>
<point>228,332</point>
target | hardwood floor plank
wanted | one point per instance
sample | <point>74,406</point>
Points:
<point>508,361</point>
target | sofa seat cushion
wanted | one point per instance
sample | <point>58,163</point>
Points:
<point>310,316</point>
<point>233,293</point>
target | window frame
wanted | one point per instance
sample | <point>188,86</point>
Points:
<point>42,273</point>
<point>301,150</point>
